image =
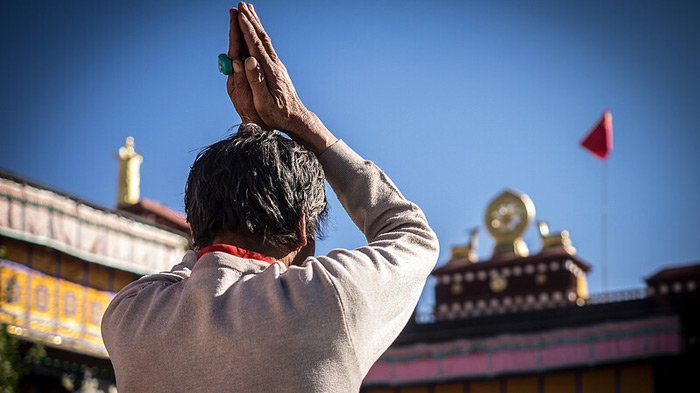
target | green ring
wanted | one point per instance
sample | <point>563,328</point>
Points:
<point>225,66</point>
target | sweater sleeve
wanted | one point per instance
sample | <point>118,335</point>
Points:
<point>378,285</point>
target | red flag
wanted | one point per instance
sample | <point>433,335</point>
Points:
<point>600,140</point>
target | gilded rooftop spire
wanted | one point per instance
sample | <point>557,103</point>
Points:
<point>129,189</point>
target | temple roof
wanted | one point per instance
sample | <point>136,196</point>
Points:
<point>684,272</point>
<point>158,213</point>
<point>178,219</point>
<point>545,255</point>
<point>33,212</point>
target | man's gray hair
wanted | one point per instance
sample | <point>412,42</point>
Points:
<point>258,184</point>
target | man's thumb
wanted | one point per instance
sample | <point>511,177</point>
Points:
<point>253,72</point>
<point>256,79</point>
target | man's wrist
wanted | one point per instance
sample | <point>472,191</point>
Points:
<point>315,135</point>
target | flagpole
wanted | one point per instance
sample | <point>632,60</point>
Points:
<point>604,225</point>
<point>599,142</point>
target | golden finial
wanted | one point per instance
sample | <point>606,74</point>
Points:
<point>560,240</point>
<point>129,189</point>
<point>468,252</point>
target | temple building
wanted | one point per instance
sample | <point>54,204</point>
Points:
<point>516,322</point>
<point>62,259</point>
<point>522,323</point>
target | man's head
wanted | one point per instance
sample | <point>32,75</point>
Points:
<point>259,186</point>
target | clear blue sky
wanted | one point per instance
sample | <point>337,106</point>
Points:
<point>455,100</point>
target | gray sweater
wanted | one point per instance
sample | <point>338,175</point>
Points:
<point>227,324</point>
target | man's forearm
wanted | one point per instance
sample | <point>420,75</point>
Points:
<point>314,135</point>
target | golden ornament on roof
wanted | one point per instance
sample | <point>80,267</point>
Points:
<point>507,218</point>
<point>129,188</point>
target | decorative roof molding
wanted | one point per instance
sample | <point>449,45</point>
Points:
<point>48,218</point>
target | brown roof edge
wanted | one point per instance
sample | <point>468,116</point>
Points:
<point>158,213</point>
<point>547,255</point>
<point>670,273</point>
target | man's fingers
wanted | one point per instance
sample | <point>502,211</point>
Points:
<point>238,65</point>
<point>241,86</point>
<point>254,19</point>
<point>242,96</point>
<point>238,87</point>
<point>254,44</point>
<point>236,44</point>
<point>247,88</point>
<point>258,86</point>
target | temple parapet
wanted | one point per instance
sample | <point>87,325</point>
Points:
<point>115,239</point>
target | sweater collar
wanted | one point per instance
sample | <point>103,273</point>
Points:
<point>235,251</point>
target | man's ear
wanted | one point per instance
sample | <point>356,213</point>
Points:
<point>301,231</point>
<point>305,248</point>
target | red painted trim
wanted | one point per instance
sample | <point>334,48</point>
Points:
<point>235,251</point>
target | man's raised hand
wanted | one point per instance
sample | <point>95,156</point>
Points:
<point>274,98</point>
<point>237,83</point>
